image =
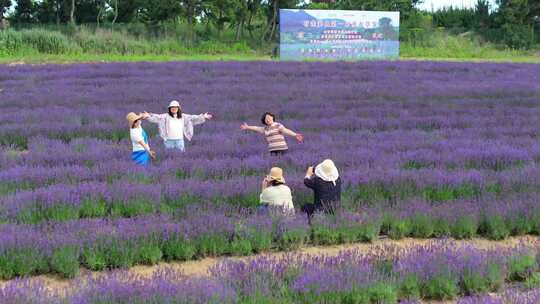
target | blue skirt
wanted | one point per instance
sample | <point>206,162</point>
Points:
<point>141,157</point>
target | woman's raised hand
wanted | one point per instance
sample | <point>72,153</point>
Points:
<point>244,126</point>
<point>309,172</point>
<point>207,115</point>
<point>299,137</point>
<point>144,114</point>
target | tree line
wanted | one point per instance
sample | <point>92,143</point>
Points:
<point>515,23</point>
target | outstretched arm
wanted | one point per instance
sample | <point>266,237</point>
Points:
<point>198,119</point>
<point>153,118</point>
<point>298,136</point>
<point>247,127</point>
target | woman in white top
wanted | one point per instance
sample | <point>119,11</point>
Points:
<point>141,153</point>
<point>275,193</point>
<point>175,125</point>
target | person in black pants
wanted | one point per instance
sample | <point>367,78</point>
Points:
<point>325,182</point>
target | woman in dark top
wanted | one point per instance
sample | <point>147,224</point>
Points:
<point>326,185</point>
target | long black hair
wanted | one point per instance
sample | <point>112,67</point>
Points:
<point>178,115</point>
<point>264,116</point>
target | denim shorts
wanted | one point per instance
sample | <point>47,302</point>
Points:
<point>175,144</point>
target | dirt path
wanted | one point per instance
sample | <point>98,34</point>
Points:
<point>201,267</point>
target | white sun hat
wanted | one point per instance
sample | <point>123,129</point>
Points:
<point>327,171</point>
<point>174,103</point>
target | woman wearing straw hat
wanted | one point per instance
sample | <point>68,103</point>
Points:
<point>326,185</point>
<point>274,191</point>
<point>174,125</point>
<point>141,154</point>
<point>274,133</point>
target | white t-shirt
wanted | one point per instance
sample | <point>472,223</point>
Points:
<point>176,128</point>
<point>136,135</point>
<point>279,196</point>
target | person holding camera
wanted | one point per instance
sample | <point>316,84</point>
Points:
<point>275,193</point>
<point>325,182</point>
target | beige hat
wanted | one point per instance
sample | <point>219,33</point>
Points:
<point>327,171</point>
<point>174,103</point>
<point>132,118</point>
<point>276,174</point>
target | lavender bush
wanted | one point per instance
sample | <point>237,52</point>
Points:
<point>387,275</point>
<point>425,149</point>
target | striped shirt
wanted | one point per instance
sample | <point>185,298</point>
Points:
<point>274,137</point>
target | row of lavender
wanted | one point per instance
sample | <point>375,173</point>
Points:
<point>438,271</point>
<point>88,178</point>
<point>195,232</point>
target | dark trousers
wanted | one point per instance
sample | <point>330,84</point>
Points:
<point>310,209</point>
<point>278,152</point>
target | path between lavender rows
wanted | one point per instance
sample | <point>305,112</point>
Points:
<point>198,268</point>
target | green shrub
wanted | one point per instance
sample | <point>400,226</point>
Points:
<point>120,254</point>
<point>535,224</point>
<point>383,293</point>
<point>212,245</point>
<point>178,249</point>
<point>464,228</point>
<point>292,239</point>
<point>65,261</point>
<point>495,277</point>
<point>533,281</point>
<point>323,235</point>
<point>409,288</point>
<point>473,283</point>
<point>94,258</point>
<point>399,229</point>
<point>368,232</point>
<point>132,208</point>
<point>241,247</point>
<point>148,253</point>
<point>441,287</point>
<point>260,241</point>
<point>22,262</point>
<point>521,267</point>
<point>93,208</point>
<point>493,227</point>
<point>422,226</point>
<point>441,228</point>
<point>520,225</point>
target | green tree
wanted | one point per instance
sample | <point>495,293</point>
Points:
<point>88,10</point>
<point>127,10</point>
<point>4,6</point>
<point>271,10</point>
<point>49,11</point>
<point>254,7</point>
<point>534,16</point>
<point>482,16</point>
<point>220,12</point>
<point>190,10</point>
<point>515,23</point>
<point>387,29</point>
<point>25,12</point>
<point>152,12</point>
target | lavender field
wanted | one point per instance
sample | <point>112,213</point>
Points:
<point>438,271</point>
<point>424,149</point>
